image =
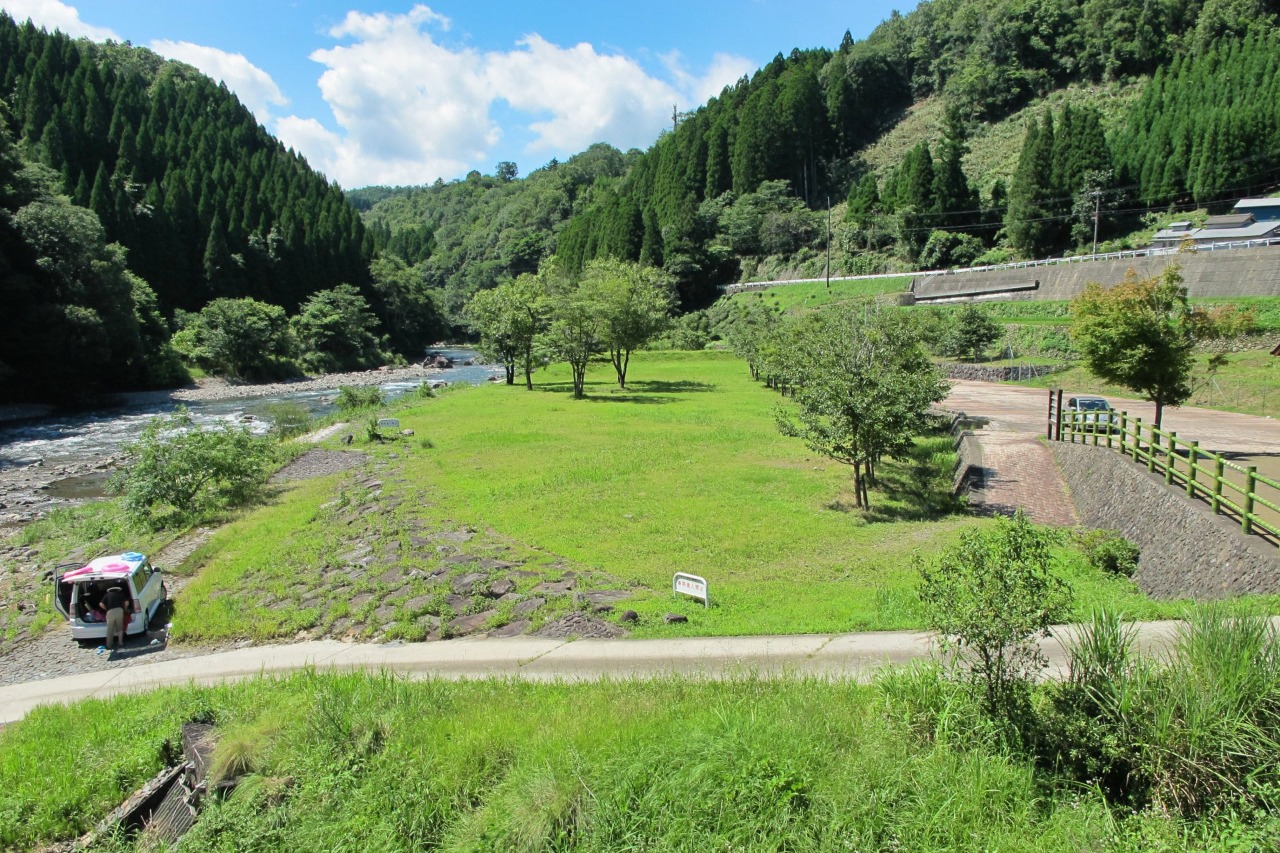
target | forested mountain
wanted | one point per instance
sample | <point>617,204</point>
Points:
<point>206,202</point>
<point>748,176</point>
<point>74,317</point>
<point>147,220</point>
<point>468,235</point>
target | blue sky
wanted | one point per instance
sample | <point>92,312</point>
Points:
<point>403,93</point>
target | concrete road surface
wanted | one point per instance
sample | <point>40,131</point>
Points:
<point>1012,407</point>
<point>822,656</point>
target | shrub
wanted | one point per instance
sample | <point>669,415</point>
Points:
<point>238,337</point>
<point>177,472</point>
<point>359,397</point>
<point>991,598</point>
<point>1195,735</point>
<point>287,418</point>
<point>1108,551</point>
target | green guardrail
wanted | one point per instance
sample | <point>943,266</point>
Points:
<point>1182,463</point>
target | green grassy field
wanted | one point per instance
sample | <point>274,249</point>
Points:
<point>683,472</point>
<point>815,294</point>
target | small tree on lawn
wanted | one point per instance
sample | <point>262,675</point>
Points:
<point>635,303</point>
<point>863,385</point>
<point>576,333</point>
<point>991,598</point>
<point>509,318</point>
<point>1140,334</point>
<point>974,333</point>
<point>747,328</point>
<point>178,472</point>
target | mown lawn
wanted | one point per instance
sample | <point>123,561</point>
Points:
<point>685,471</point>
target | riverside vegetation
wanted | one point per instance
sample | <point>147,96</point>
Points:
<point>637,484</point>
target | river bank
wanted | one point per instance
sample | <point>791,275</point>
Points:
<point>215,388</point>
<point>51,458</point>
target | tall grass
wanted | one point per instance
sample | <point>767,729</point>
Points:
<point>1196,732</point>
<point>363,762</point>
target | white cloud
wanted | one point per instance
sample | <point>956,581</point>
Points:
<point>725,70</point>
<point>410,108</point>
<point>53,15</point>
<point>590,96</point>
<point>253,86</point>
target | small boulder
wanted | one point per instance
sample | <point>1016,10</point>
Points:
<point>528,606</point>
<point>471,623</point>
<point>511,629</point>
<point>502,587</point>
<point>629,616</point>
<point>466,584</point>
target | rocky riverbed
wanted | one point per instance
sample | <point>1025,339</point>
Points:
<point>214,388</point>
<point>40,472</point>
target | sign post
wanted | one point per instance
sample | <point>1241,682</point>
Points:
<point>693,586</point>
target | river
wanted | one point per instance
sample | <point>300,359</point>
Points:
<point>48,461</point>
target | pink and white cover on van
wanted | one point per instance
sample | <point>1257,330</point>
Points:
<point>78,593</point>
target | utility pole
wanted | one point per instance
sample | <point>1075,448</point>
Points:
<point>828,242</point>
<point>1097,209</point>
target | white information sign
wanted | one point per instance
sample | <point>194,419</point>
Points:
<point>388,423</point>
<point>692,585</point>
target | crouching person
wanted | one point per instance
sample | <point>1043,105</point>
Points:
<point>115,601</point>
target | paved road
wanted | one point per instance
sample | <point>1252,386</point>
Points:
<point>822,655</point>
<point>1012,407</point>
<point>1020,470</point>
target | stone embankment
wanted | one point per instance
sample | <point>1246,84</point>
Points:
<point>985,373</point>
<point>1187,551</point>
<point>1238,272</point>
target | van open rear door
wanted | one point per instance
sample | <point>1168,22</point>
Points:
<point>62,589</point>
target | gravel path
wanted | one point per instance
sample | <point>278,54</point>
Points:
<point>318,463</point>
<point>54,653</point>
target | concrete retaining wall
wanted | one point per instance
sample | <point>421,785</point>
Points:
<point>1239,272</point>
<point>1187,551</point>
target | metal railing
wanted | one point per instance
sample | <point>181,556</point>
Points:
<point>1237,491</point>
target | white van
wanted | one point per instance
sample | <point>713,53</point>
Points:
<point>78,593</point>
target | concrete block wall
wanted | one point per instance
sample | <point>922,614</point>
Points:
<point>1237,272</point>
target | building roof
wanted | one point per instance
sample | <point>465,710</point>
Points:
<point>1229,220</point>
<point>1173,232</point>
<point>1252,231</point>
<point>1245,205</point>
